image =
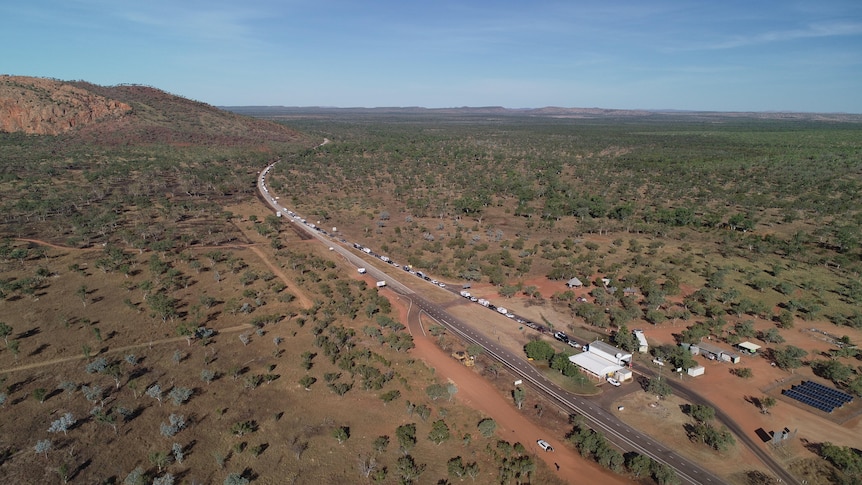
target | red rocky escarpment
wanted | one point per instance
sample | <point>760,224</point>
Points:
<point>48,107</point>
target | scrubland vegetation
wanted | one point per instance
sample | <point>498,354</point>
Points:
<point>145,331</point>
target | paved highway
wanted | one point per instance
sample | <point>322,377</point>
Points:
<point>617,432</point>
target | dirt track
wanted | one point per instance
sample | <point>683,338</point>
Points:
<point>303,299</point>
<point>61,360</point>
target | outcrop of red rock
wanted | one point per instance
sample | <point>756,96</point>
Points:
<point>42,106</point>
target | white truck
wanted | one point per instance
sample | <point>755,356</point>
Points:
<point>362,270</point>
<point>465,294</point>
<point>502,310</point>
<point>381,284</point>
<point>484,302</point>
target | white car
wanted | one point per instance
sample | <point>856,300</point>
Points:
<point>613,382</point>
<point>545,445</point>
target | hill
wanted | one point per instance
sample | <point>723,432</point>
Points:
<point>125,115</point>
<point>98,164</point>
<point>48,107</point>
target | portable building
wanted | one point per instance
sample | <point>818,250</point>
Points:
<point>643,346</point>
<point>697,370</point>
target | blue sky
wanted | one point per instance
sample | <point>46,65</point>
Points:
<point>691,55</point>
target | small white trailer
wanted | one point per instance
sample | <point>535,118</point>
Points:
<point>362,270</point>
<point>381,284</point>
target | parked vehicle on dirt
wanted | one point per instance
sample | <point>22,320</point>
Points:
<point>545,445</point>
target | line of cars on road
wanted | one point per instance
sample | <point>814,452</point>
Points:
<point>388,260</point>
<point>503,311</point>
<point>562,337</point>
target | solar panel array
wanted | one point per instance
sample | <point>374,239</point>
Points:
<point>818,396</point>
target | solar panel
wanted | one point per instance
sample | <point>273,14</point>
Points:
<point>812,398</point>
<point>820,389</point>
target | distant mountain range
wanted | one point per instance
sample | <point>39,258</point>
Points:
<point>546,112</point>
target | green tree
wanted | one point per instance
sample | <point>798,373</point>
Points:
<point>160,459</point>
<point>487,427</point>
<point>406,435</point>
<point>833,370</point>
<point>456,467</point>
<point>341,434</point>
<point>14,347</point>
<point>744,372</point>
<point>162,306</point>
<point>767,403</point>
<point>659,387</point>
<point>638,464</point>
<point>236,479</point>
<point>436,391</point>
<point>519,395</point>
<point>786,319</point>
<point>789,358</point>
<point>625,339</point>
<point>408,469</point>
<point>381,443</point>
<point>539,350</point>
<point>843,457</point>
<point>439,432</point>
<point>701,413</point>
<point>772,336</point>
<point>82,294</point>
<point>5,331</point>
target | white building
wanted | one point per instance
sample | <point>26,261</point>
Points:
<point>601,359</point>
<point>609,352</point>
<point>643,346</point>
<point>714,352</point>
<point>697,370</point>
